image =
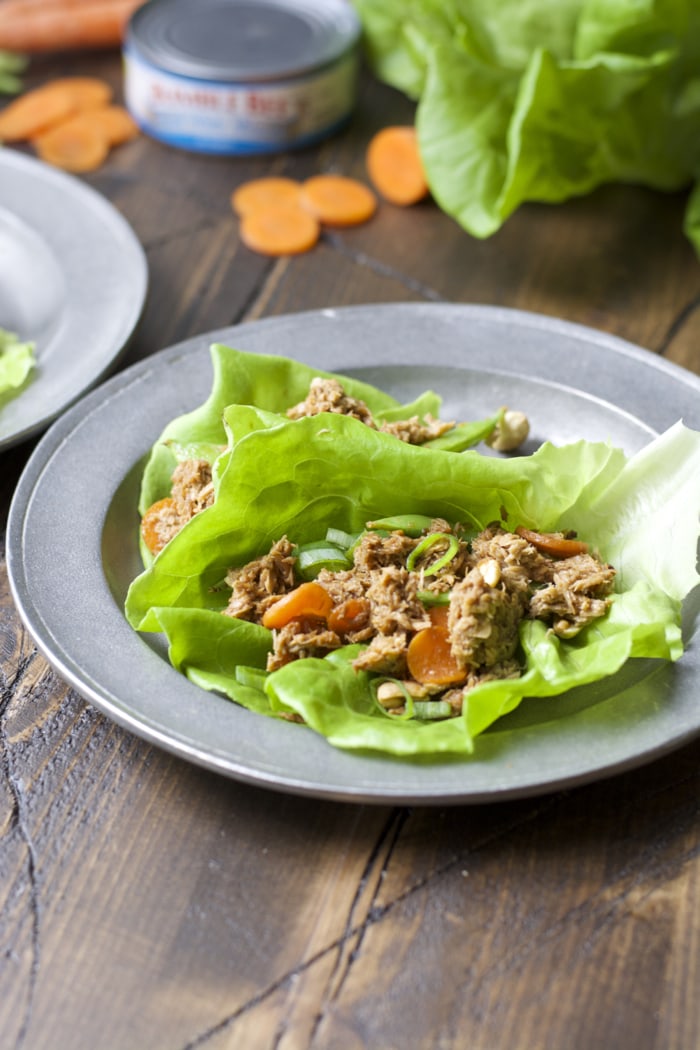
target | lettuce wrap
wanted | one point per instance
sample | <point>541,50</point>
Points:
<point>273,384</point>
<point>542,100</point>
<point>296,478</point>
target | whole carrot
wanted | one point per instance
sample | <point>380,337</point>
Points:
<point>30,26</point>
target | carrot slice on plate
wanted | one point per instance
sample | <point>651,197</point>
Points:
<point>395,167</point>
<point>72,145</point>
<point>269,192</point>
<point>285,229</point>
<point>430,660</point>
<point>338,200</point>
<point>307,600</point>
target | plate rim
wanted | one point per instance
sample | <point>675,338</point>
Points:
<point>61,430</point>
<point>115,225</point>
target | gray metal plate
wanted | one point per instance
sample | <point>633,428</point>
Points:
<point>73,279</point>
<point>80,487</point>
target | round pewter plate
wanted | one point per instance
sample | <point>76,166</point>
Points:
<point>73,280</point>
<point>81,487</point>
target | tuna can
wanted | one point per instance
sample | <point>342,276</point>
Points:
<point>241,76</point>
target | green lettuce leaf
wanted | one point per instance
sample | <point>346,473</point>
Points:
<point>298,478</point>
<point>273,384</point>
<point>542,100</point>
<point>16,362</point>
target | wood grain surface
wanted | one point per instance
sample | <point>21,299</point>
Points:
<point>146,903</point>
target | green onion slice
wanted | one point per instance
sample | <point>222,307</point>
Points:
<point>412,524</point>
<point>426,544</point>
<point>410,702</point>
<point>312,557</point>
<point>429,710</point>
<point>344,540</point>
<point>434,597</point>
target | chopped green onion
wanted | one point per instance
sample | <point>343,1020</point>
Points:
<point>427,710</point>
<point>312,557</point>
<point>412,524</point>
<point>345,540</point>
<point>434,597</point>
<point>465,435</point>
<point>11,62</point>
<point>11,66</point>
<point>409,701</point>
<point>426,544</point>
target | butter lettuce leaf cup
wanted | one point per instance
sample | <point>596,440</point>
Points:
<point>279,477</point>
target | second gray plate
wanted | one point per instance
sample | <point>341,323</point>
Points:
<point>73,280</point>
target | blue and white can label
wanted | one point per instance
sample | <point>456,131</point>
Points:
<point>227,118</point>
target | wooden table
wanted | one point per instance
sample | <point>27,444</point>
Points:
<point>146,903</point>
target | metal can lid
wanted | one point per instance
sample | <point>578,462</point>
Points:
<point>243,40</point>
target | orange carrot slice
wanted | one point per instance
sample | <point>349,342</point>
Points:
<point>269,192</point>
<point>308,600</point>
<point>430,660</point>
<point>395,167</point>
<point>32,113</point>
<point>149,524</point>
<point>438,615</point>
<point>337,200</point>
<point>285,229</point>
<point>72,145</point>
<point>550,543</point>
<point>39,109</point>
<point>84,92</point>
<point>114,123</point>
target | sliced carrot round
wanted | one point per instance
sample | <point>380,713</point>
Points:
<point>260,194</point>
<point>73,146</point>
<point>285,229</point>
<point>439,615</point>
<point>395,167</point>
<point>309,599</point>
<point>31,114</point>
<point>150,532</point>
<point>430,660</point>
<point>337,200</point>
<point>114,123</point>
<point>38,110</point>
<point>84,92</point>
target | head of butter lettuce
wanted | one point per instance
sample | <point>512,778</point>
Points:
<point>296,478</point>
<point>542,100</point>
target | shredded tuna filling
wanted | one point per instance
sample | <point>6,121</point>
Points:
<point>192,488</point>
<point>328,395</point>
<point>192,491</point>
<point>492,583</point>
